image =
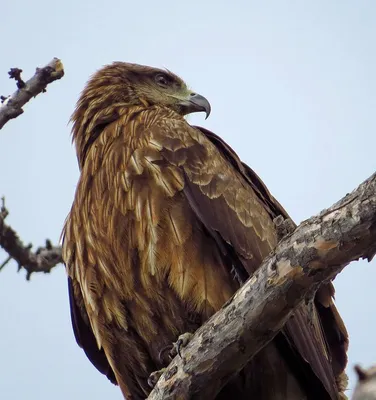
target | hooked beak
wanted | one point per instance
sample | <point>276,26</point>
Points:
<point>195,103</point>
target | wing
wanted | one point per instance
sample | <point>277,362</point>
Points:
<point>84,335</point>
<point>329,327</point>
<point>237,210</point>
<point>326,319</point>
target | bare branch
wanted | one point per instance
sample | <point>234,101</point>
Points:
<point>43,260</point>
<point>314,253</point>
<point>12,106</point>
<point>366,387</point>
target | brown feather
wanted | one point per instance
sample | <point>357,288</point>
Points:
<point>165,215</point>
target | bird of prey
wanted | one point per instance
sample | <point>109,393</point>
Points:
<point>166,224</point>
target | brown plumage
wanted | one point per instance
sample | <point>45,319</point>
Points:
<point>166,224</point>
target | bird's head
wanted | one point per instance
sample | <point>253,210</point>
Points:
<point>120,85</point>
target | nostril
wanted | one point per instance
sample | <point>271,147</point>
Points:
<point>193,94</point>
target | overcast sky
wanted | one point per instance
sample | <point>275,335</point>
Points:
<point>292,88</point>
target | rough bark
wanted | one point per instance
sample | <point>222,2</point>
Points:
<point>366,387</point>
<point>11,106</point>
<point>42,260</point>
<point>314,253</point>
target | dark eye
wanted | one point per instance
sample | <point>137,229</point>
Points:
<point>162,80</point>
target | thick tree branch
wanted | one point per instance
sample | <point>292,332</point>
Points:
<point>314,253</point>
<point>43,260</point>
<point>366,387</point>
<point>11,106</point>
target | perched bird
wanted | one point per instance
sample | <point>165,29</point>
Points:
<point>165,226</point>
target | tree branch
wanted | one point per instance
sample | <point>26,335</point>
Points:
<point>12,105</point>
<point>366,387</point>
<point>314,253</point>
<point>43,260</point>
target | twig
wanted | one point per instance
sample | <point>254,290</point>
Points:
<point>43,260</point>
<point>314,253</point>
<point>3,264</point>
<point>11,106</point>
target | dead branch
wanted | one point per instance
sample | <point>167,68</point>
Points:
<point>314,253</point>
<point>43,260</point>
<point>366,387</point>
<point>11,106</point>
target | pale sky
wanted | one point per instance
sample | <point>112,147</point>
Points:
<point>292,87</point>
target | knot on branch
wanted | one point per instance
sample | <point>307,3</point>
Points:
<point>15,73</point>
